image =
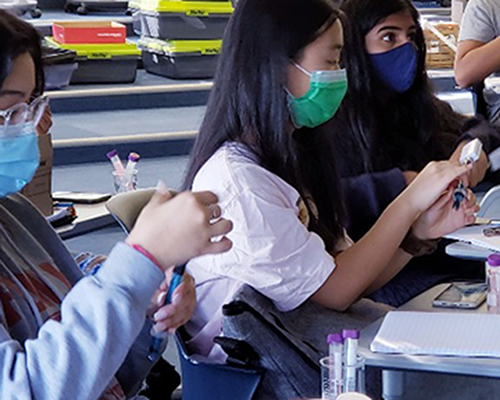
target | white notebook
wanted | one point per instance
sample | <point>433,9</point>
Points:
<point>474,234</point>
<point>436,333</point>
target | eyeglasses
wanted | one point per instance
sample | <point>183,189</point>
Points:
<point>14,118</point>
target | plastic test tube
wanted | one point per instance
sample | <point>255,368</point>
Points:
<point>351,338</point>
<point>133,158</point>
<point>492,276</point>
<point>117,163</point>
<point>336,350</point>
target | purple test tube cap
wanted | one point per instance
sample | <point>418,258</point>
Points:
<point>134,157</point>
<point>350,334</point>
<point>112,153</point>
<point>494,260</point>
<point>334,338</point>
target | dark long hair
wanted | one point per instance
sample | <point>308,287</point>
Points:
<point>248,103</point>
<point>19,37</point>
<point>390,129</point>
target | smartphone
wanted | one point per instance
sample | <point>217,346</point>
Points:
<point>467,295</point>
<point>81,197</point>
<point>490,232</point>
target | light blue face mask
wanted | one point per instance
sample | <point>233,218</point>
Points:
<point>19,157</point>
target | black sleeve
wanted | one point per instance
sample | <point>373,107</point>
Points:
<point>479,128</point>
<point>454,128</point>
<point>367,196</point>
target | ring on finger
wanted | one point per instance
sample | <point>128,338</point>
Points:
<point>215,211</point>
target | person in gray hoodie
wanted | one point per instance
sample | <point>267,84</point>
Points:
<point>62,335</point>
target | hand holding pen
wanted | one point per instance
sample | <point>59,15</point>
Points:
<point>171,316</point>
<point>171,230</point>
<point>159,335</point>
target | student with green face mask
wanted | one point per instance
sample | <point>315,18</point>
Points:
<point>326,91</point>
<point>277,182</point>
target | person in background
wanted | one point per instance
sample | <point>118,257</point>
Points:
<point>45,123</point>
<point>63,335</point>
<point>390,126</point>
<point>277,182</point>
<point>478,53</point>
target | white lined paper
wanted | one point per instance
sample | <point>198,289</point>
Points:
<point>443,334</point>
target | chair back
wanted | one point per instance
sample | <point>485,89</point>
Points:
<point>126,207</point>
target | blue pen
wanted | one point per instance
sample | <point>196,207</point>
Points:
<point>64,204</point>
<point>155,348</point>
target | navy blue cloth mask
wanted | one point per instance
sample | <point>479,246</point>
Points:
<point>397,67</point>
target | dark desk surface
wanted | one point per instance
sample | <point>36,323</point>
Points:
<point>90,218</point>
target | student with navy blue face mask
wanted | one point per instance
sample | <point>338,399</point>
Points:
<point>391,124</point>
<point>394,116</point>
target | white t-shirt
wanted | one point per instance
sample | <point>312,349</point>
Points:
<point>272,249</point>
<point>481,22</point>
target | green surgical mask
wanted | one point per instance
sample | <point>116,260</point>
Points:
<point>326,91</point>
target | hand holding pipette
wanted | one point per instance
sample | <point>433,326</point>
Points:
<point>470,154</point>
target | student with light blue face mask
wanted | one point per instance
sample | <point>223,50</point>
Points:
<point>62,335</point>
<point>18,142</point>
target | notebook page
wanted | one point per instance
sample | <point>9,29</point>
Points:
<point>435,333</point>
<point>474,235</point>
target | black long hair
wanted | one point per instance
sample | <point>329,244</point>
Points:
<point>248,103</point>
<point>18,37</point>
<point>390,129</point>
